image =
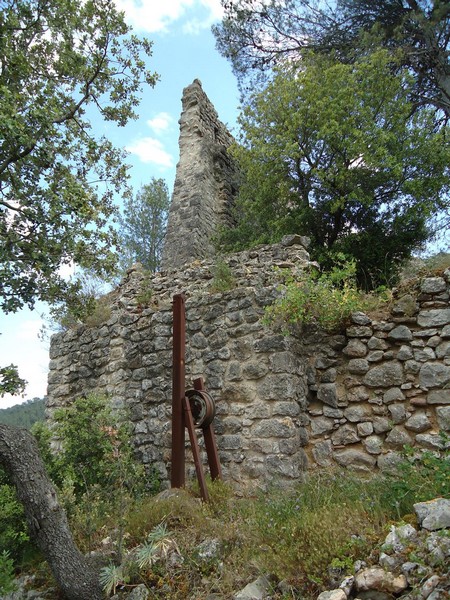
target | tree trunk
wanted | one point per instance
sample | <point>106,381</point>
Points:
<point>76,576</point>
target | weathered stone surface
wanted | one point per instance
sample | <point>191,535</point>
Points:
<point>435,317</point>
<point>354,459</point>
<point>358,365</point>
<point>345,435</point>
<point>405,353</point>
<point>392,395</point>
<point>321,425</point>
<point>327,393</point>
<point>418,422</point>
<point>433,285</point>
<point>364,429</point>
<point>434,375</point>
<point>434,514</point>
<point>443,350</point>
<point>333,595</point>
<point>373,444</point>
<point>397,438</point>
<point>359,331</point>
<point>433,441</point>
<point>398,413</point>
<point>389,462</point>
<point>386,375</point>
<point>357,413</point>
<point>257,590</point>
<point>355,349</point>
<point>323,452</point>
<point>376,578</point>
<point>360,318</point>
<point>439,397</point>
<point>443,417</point>
<point>400,334</point>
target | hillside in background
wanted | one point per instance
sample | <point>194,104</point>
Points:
<point>24,415</point>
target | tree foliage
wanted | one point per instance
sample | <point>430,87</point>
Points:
<point>61,64</point>
<point>143,226</point>
<point>255,36</point>
<point>332,151</point>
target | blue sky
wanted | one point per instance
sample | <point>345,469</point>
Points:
<point>183,50</point>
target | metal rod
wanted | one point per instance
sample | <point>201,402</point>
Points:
<point>178,391</point>
<point>210,441</point>
<point>195,449</point>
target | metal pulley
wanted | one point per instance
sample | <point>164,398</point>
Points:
<point>203,408</point>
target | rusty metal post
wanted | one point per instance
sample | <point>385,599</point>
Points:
<point>178,391</point>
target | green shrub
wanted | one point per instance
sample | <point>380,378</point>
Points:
<point>223,279</point>
<point>7,583</point>
<point>323,299</point>
<point>13,528</point>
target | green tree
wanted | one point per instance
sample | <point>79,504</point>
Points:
<point>332,151</point>
<point>143,226</point>
<point>61,64</point>
<point>255,36</point>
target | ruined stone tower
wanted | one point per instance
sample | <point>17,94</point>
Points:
<point>205,182</point>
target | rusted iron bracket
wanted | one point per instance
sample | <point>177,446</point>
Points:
<point>182,403</point>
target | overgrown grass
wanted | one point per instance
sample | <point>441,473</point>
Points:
<point>303,536</point>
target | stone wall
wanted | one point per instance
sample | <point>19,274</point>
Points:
<point>283,402</point>
<point>205,183</point>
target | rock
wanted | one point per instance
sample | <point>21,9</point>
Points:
<point>321,425</point>
<point>359,331</point>
<point>418,422</point>
<point>323,452</point>
<point>433,318</point>
<point>295,240</point>
<point>376,578</point>
<point>358,366</point>
<point>405,353</point>
<point>345,435</point>
<point>400,334</point>
<point>333,595</point>
<point>360,318</point>
<point>373,444</point>
<point>399,537</point>
<point>433,285</point>
<point>443,417</point>
<point>433,441</point>
<point>386,375</point>
<point>439,397</point>
<point>257,590</point>
<point>434,514</point>
<point>355,349</point>
<point>140,592</point>
<point>398,413</point>
<point>397,438</point>
<point>355,459</point>
<point>357,413</point>
<point>433,375</point>
<point>389,462</point>
<point>327,393</point>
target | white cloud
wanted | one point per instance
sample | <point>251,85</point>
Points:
<point>157,15</point>
<point>160,123</point>
<point>149,150</point>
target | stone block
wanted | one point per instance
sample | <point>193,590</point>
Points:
<point>385,375</point>
<point>443,417</point>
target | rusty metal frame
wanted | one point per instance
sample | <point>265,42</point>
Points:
<point>181,411</point>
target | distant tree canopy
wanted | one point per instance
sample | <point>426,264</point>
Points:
<point>255,36</point>
<point>25,414</point>
<point>143,226</point>
<point>57,175</point>
<point>334,151</point>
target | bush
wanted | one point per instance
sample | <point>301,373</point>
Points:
<point>323,299</point>
<point>7,583</point>
<point>13,528</point>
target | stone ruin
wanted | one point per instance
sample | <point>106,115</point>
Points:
<point>284,403</point>
<point>205,184</point>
